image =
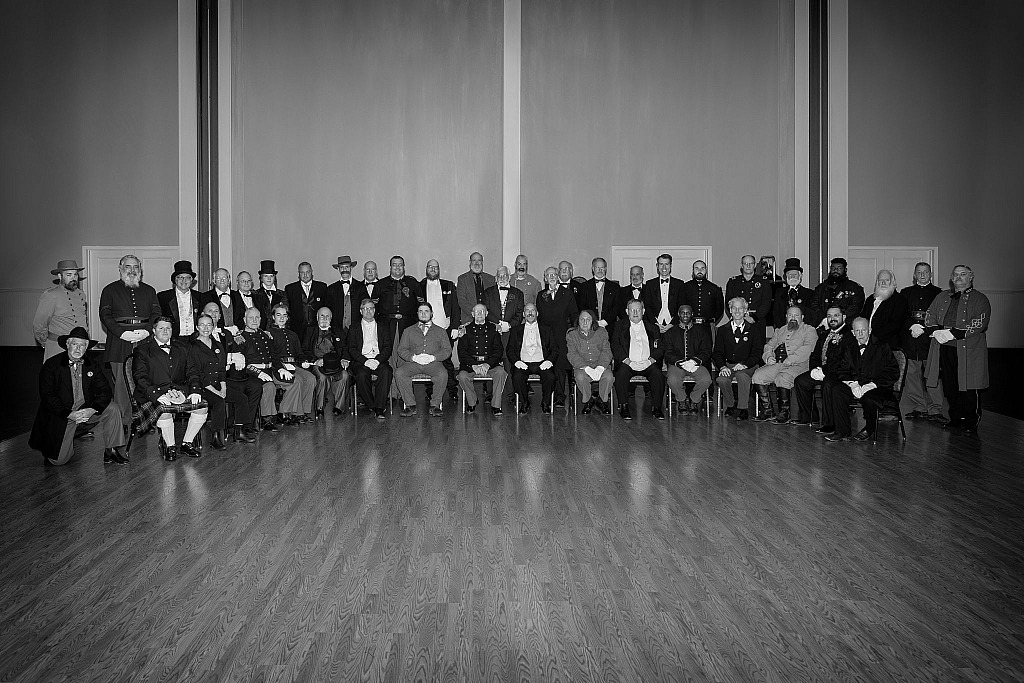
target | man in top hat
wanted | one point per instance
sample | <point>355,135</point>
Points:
<point>74,396</point>
<point>128,308</point>
<point>343,296</point>
<point>704,298</point>
<point>305,297</point>
<point>267,296</point>
<point>840,291</point>
<point>793,293</point>
<point>61,308</point>
<point>181,303</point>
<point>323,348</point>
<point>232,306</point>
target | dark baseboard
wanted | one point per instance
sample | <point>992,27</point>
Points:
<point>18,404</point>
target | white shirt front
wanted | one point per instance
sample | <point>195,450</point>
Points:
<point>664,317</point>
<point>187,325</point>
<point>371,349</point>
<point>305,287</point>
<point>532,351</point>
<point>639,345</point>
<point>874,309</point>
<point>436,299</point>
<point>246,299</point>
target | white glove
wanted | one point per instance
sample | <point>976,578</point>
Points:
<point>345,364</point>
<point>164,399</point>
<point>457,332</point>
<point>943,336</point>
<point>232,330</point>
<point>690,366</point>
<point>284,374</point>
<point>546,365</point>
<point>593,373</point>
<point>916,330</point>
<point>602,323</point>
<point>857,390</point>
<point>128,335</point>
<point>521,365</point>
<point>289,367</point>
<point>372,363</point>
<point>264,377</point>
<point>504,327</point>
<point>771,360</point>
<point>738,367</point>
<point>194,398</point>
<point>141,334</point>
<point>817,374</point>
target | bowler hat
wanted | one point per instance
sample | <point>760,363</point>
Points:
<point>70,264</point>
<point>267,268</point>
<point>792,264</point>
<point>332,364</point>
<point>182,268</point>
<point>76,333</point>
<point>343,261</point>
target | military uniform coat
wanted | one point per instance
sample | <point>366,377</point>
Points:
<point>119,304</point>
<point>973,314</point>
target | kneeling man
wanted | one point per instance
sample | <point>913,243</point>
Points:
<point>74,396</point>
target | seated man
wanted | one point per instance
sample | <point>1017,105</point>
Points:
<point>74,396</point>
<point>637,349</point>
<point>688,348</point>
<point>322,339</point>
<point>422,351</point>
<point>242,390</point>
<point>830,358</point>
<point>737,354</point>
<point>875,371</point>
<point>590,354</point>
<point>298,384</point>
<point>480,355</point>
<point>531,350</point>
<point>165,373</point>
<point>259,363</point>
<point>785,357</point>
<point>369,348</point>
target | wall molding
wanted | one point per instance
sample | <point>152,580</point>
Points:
<point>622,258</point>
<point>188,131</point>
<point>101,262</point>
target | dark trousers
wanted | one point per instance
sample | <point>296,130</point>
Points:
<point>547,381</point>
<point>245,395</point>
<point>654,375</point>
<point>803,389</point>
<point>374,392</point>
<point>964,404</point>
<point>836,398</point>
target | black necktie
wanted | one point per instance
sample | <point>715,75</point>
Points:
<point>479,289</point>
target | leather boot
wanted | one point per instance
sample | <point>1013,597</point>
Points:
<point>783,416</point>
<point>218,440</point>
<point>764,403</point>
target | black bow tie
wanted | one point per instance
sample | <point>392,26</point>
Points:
<point>164,346</point>
<point>600,279</point>
<point>76,363</point>
<point>665,281</point>
<point>504,289</point>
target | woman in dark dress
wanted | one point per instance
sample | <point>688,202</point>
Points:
<point>556,309</point>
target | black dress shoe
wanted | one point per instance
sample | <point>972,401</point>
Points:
<point>337,411</point>
<point>435,411</point>
<point>914,414</point>
<point>863,435</point>
<point>319,413</point>
<point>559,402</point>
<point>379,414</point>
<point>306,419</point>
<point>524,407</point>
<point>731,410</point>
<point>269,425</point>
<point>743,414</point>
<point>111,456</point>
<point>218,441</point>
<point>497,412</point>
<point>170,453</point>
<point>189,449</point>
<point>625,413</point>
<point>825,429</point>
<point>837,437</point>
<point>470,409</point>
<point>658,414</point>
<point>606,407</point>
<point>587,407</point>
<point>408,411</point>
<point>245,435</point>
<point>545,408</point>
<point>799,423</point>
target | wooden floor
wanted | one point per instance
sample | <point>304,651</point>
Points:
<point>564,548</point>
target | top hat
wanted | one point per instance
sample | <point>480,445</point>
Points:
<point>70,264</point>
<point>76,333</point>
<point>839,259</point>
<point>267,268</point>
<point>792,264</point>
<point>332,364</point>
<point>344,260</point>
<point>182,268</point>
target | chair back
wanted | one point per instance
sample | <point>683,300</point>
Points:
<point>901,360</point>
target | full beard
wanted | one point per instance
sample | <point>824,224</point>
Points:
<point>131,282</point>
<point>699,276</point>
<point>71,286</point>
<point>835,280</point>
<point>793,325</point>
<point>883,293</point>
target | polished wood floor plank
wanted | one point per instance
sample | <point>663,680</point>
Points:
<point>560,547</point>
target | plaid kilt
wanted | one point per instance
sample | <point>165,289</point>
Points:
<point>149,412</point>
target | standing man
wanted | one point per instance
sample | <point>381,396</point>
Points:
<point>305,298</point>
<point>793,293</point>
<point>343,296</point>
<point>756,291</point>
<point>601,295</point>
<point>369,349</point>
<point>840,291</point>
<point>556,308</point>
<point>371,284</point>
<point>704,298</point>
<point>634,291</point>
<point>886,311</point>
<point>422,350</point>
<point>958,353</point>
<point>268,297</point>
<point>443,299</point>
<point>471,286</point>
<point>785,356</point>
<point>566,281</point>
<point>244,283</point>
<point>637,350</point>
<point>232,307</point>
<point>919,400</point>
<point>128,308</point>
<point>181,303</point>
<point>663,295</point>
<point>524,282</point>
<point>480,356</point>
<point>61,308</point>
<point>504,304</point>
<point>737,354</point>
<point>400,295</point>
<point>74,395</point>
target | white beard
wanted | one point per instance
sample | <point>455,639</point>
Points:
<point>883,293</point>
